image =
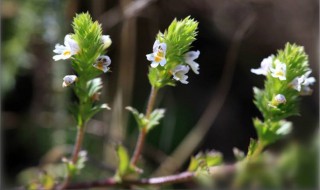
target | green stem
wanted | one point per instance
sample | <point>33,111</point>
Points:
<point>143,131</point>
<point>258,150</point>
<point>76,150</point>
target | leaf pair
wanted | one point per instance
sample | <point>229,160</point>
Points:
<point>143,121</point>
<point>75,168</point>
<point>202,161</point>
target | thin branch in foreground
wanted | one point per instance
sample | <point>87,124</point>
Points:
<point>215,171</point>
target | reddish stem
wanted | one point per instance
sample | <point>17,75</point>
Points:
<point>143,131</point>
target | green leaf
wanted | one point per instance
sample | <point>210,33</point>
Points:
<point>193,165</point>
<point>139,117</point>
<point>213,158</point>
<point>82,159</point>
<point>124,168</point>
<point>155,117</point>
<point>94,86</point>
<point>47,181</point>
<point>89,112</point>
<point>269,132</point>
<point>202,161</point>
<point>72,170</point>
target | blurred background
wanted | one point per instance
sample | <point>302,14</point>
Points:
<point>214,111</point>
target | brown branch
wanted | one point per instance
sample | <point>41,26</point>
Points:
<point>215,171</point>
<point>143,131</point>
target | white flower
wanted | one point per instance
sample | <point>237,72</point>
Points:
<point>297,83</point>
<point>189,58</point>
<point>279,71</point>
<point>102,63</point>
<point>264,66</point>
<point>69,49</point>
<point>179,73</point>
<point>106,40</point>
<point>159,54</point>
<point>68,80</point>
<point>277,100</point>
<point>302,83</point>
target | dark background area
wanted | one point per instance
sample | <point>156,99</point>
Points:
<point>234,36</point>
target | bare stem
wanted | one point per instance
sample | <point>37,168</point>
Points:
<point>75,154</point>
<point>216,171</point>
<point>143,131</point>
<point>259,149</point>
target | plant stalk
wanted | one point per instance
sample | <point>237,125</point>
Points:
<point>143,131</point>
<point>259,149</point>
<point>75,154</point>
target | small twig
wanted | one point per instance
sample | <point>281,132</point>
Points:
<point>215,171</point>
<point>143,131</point>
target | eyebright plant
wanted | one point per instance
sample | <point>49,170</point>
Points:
<point>86,49</point>
<point>287,79</point>
<point>171,60</point>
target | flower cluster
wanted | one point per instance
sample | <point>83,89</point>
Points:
<point>86,49</point>
<point>180,71</point>
<point>287,78</point>
<point>71,48</point>
<point>171,57</point>
<point>273,67</point>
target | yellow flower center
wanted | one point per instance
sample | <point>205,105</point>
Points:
<point>67,53</point>
<point>158,57</point>
<point>99,65</point>
<point>279,73</point>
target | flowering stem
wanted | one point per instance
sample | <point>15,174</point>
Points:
<point>75,154</point>
<point>143,131</point>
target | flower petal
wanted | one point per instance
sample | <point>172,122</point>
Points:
<point>68,80</point>
<point>71,44</point>
<point>191,55</point>
<point>106,40</point>
<point>102,63</point>
<point>154,64</point>
<point>163,62</point>
<point>155,45</point>
<point>179,73</point>
<point>150,57</point>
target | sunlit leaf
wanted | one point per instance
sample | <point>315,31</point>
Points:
<point>155,117</point>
